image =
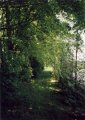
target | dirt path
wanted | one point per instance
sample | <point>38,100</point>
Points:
<point>41,100</point>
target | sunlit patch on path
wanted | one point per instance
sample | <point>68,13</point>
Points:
<point>53,89</point>
<point>53,81</point>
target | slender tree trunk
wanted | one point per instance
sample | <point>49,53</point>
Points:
<point>54,71</point>
<point>76,63</point>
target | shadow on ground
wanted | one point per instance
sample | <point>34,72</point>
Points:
<point>42,99</point>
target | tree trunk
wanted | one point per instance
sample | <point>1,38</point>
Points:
<point>76,63</point>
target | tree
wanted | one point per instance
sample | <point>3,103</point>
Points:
<point>77,45</point>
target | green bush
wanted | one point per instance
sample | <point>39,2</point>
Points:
<point>37,66</point>
<point>74,93</point>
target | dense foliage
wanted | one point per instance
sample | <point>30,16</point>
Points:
<point>35,34</point>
